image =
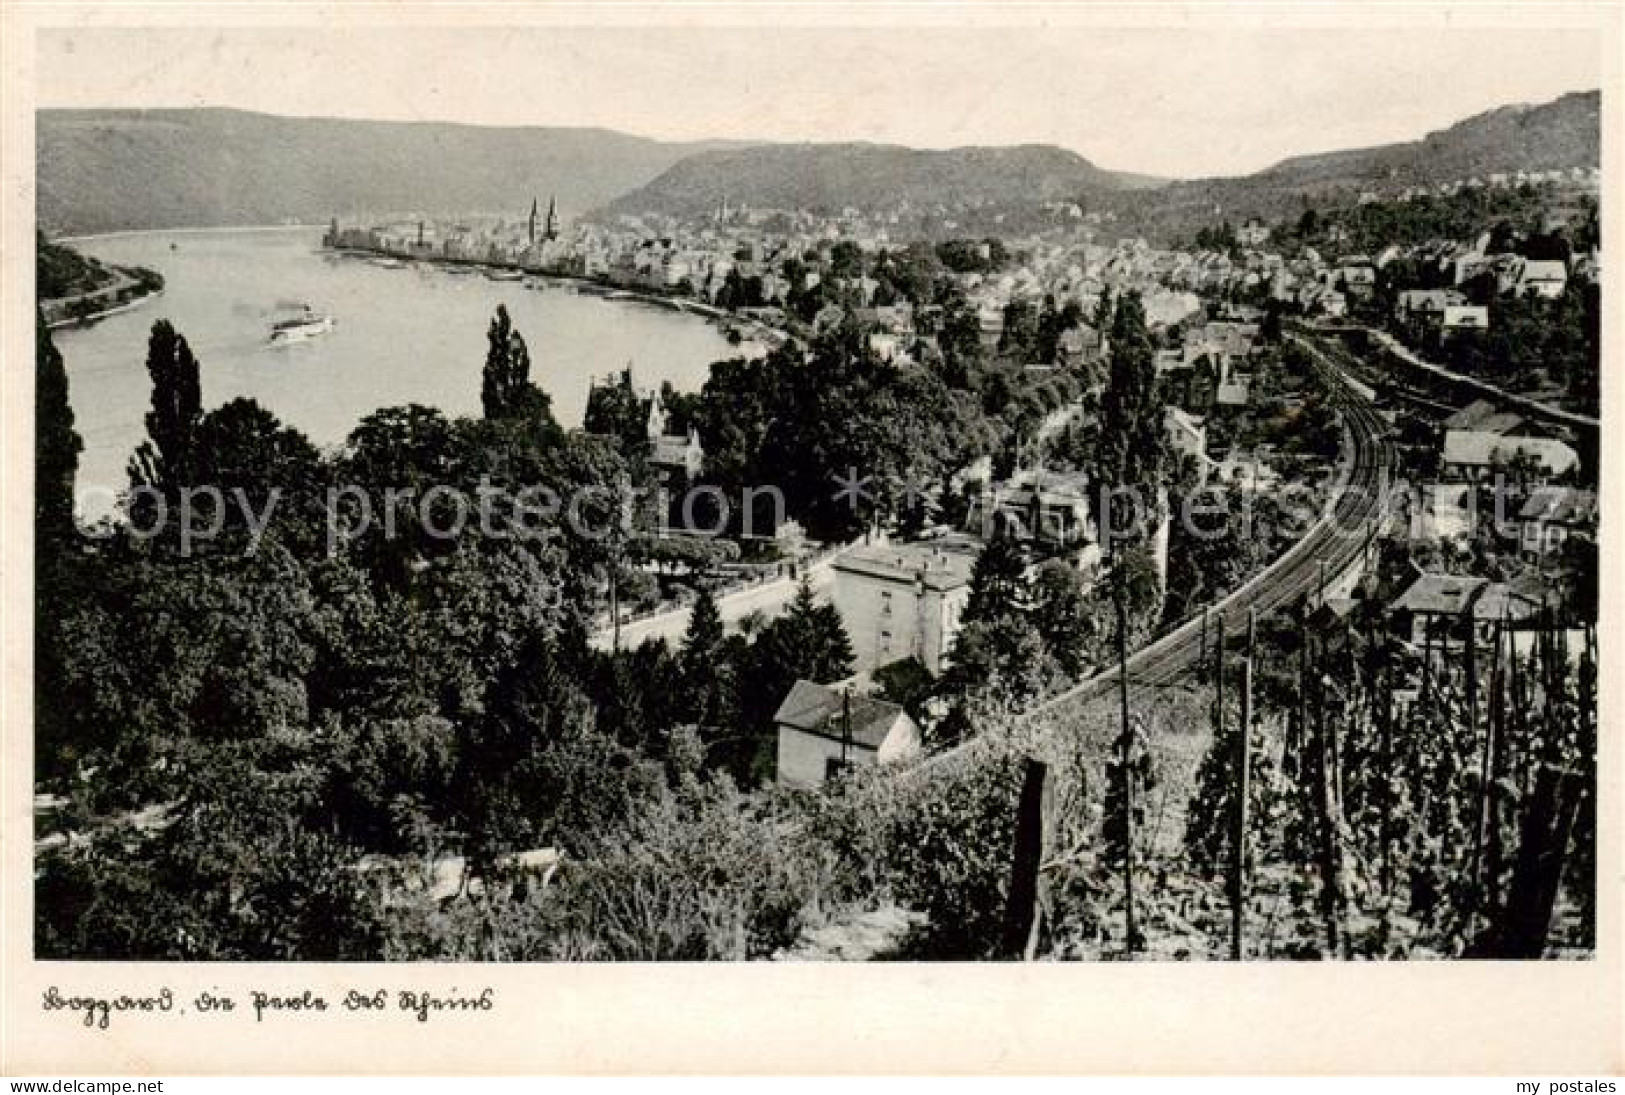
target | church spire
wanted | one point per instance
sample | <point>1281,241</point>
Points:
<point>657,417</point>
<point>552,230</point>
<point>533,220</point>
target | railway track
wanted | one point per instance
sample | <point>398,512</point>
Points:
<point>1335,544</point>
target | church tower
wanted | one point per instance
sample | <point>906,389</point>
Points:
<point>533,222</point>
<point>657,418</point>
<point>552,231</point>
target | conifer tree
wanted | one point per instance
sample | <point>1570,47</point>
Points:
<point>507,367</point>
<point>167,459</point>
<point>998,584</point>
<point>704,633</point>
<point>808,642</point>
<point>707,678</point>
<point>56,443</point>
<point>1061,615</point>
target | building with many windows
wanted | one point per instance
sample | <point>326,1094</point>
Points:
<point>902,600</point>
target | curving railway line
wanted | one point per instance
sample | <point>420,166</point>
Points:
<point>1335,544</point>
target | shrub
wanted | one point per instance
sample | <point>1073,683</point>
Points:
<point>698,873</point>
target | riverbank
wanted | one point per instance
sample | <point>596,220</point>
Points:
<point>126,288</point>
<point>604,288</point>
<point>134,233</point>
<point>72,287</point>
<point>87,319</point>
<point>402,337</point>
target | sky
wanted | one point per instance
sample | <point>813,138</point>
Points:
<point>1177,102</point>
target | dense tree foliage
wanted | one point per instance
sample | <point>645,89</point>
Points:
<point>400,678</point>
<point>506,392</point>
<point>810,422</point>
<point>56,443</point>
<point>1130,454</point>
<point>616,409</point>
<point>1531,342</point>
<point>1366,228</point>
<point>166,461</point>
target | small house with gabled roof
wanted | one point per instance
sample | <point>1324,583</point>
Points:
<point>823,731</point>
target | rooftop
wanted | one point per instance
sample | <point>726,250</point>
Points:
<point>819,709</point>
<point>1545,270</point>
<point>1478,448</point>
<point>1440,594</point>
<point>1500,601</point>
<point>1067,485</point>
<point>941,565</point>
<point>1469,417</point>
<point>1424,299</point>
<point>1561,505</point>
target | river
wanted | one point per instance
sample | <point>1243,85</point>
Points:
<point>410,335</point>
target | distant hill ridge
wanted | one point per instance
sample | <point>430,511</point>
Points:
<point>867,176</point>
<point>1559,135</point>
<point>105,170</point>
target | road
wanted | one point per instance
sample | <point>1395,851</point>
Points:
<point>1532,407</point>
<point>769,598</point>
<point>109,300</point>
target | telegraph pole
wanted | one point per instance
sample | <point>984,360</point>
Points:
<point>1126,760</point>
<point>1238,843</point>
<point>846,728</point>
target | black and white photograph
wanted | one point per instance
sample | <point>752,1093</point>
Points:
<point>813,494</point>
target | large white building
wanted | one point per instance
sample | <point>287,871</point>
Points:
<point>902,600</point>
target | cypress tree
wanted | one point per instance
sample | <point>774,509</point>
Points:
<point>507,367</point>
<point>506,393</point>
<point>1130,451</point>
<point>168,459</point>
<point>56,443</point>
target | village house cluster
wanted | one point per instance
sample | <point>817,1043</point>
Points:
<point>1586,178</point>
<point>902,600</point>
